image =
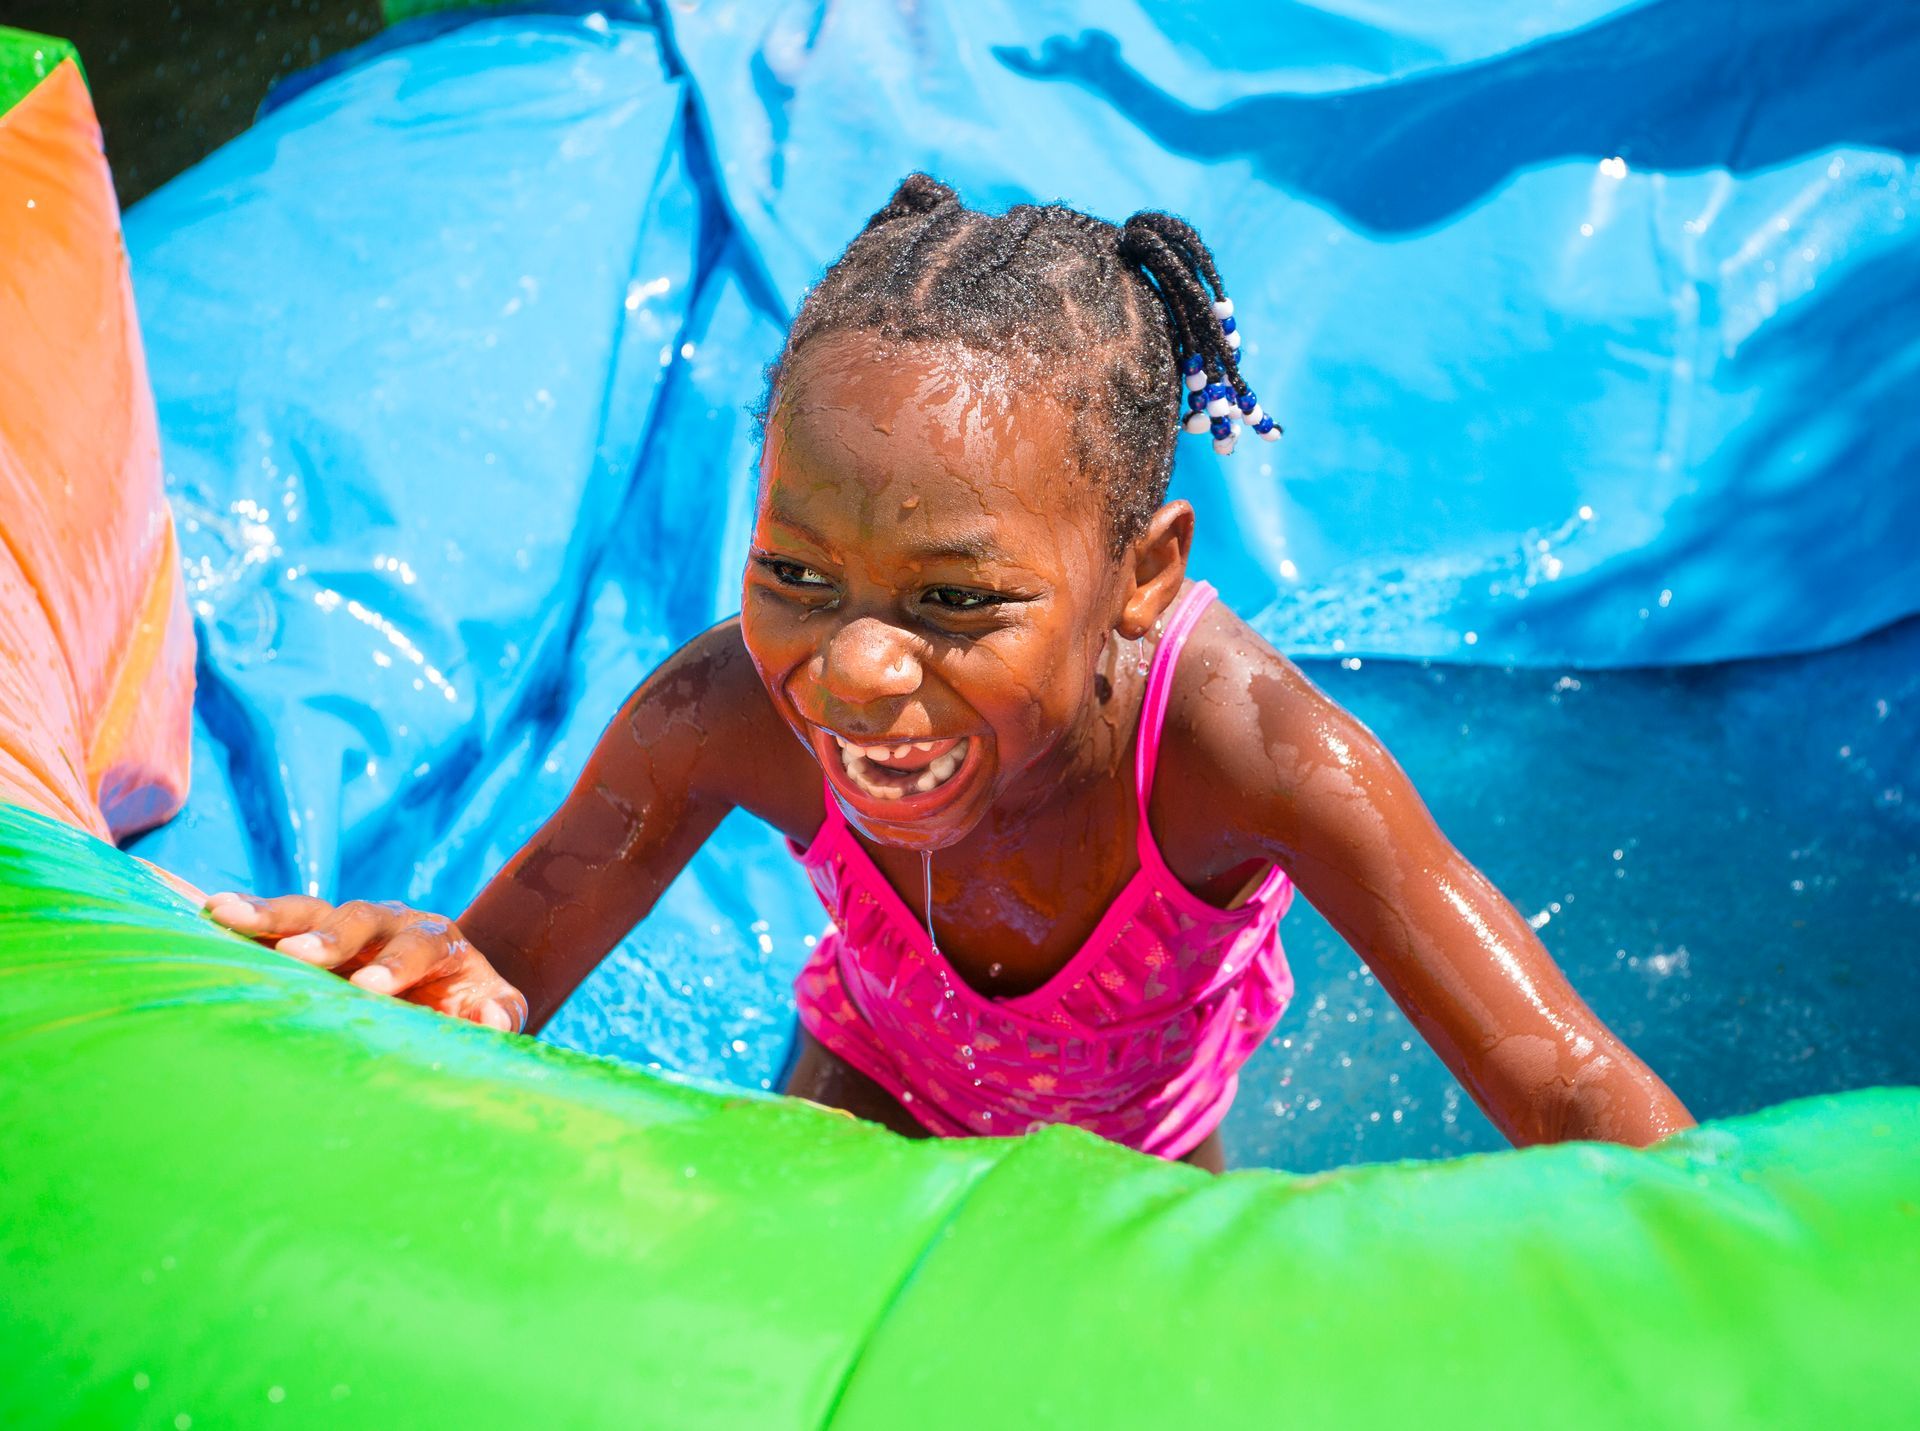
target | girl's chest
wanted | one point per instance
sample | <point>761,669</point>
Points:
<point>1007,925</point>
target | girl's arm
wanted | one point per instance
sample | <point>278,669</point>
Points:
<point>664,774</point>
<point>1317,794</point>
<point>698,737</point>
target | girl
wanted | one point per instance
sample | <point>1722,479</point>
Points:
<point>1067,795</point>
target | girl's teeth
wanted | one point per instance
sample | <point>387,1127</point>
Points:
<point>856,760</point>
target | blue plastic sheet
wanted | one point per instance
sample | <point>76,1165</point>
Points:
<point>1586,331</point>
<point>1578,317</point>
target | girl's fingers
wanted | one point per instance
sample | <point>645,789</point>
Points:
<point>352,931</point>
<point>414,952</point>
<point>267,918</point>
<point>318,950</point>
<point>511,1005</point>
<point>488,999</point>
<point>389,948</point>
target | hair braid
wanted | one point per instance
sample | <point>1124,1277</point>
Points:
<point>1180,234</point>
<point>917,194</point>
<point>1178,237</point>
<point>1191,304</point>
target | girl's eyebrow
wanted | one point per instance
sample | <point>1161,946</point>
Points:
<point>969,546</point>
<point>800,529</point>
<point>966,546</point>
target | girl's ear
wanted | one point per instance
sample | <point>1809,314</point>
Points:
<point>1156,565</point>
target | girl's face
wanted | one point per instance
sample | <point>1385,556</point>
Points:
<point>930,587</point>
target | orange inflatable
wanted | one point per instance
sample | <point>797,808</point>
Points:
<point>96,685</point>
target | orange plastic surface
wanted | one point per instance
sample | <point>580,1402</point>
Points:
<point>96,647</point>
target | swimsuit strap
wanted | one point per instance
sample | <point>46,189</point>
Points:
<point>1185,615</point>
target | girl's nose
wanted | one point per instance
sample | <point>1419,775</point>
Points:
<point>868,660</point>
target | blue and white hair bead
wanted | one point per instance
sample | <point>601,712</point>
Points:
<point>1256,417</point>
<point>1220,402</point>
<point>1197,420</point>
<point>1217,406</point>
<point>1223,310</point>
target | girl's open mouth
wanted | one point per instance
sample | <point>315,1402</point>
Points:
<point>908,779</point>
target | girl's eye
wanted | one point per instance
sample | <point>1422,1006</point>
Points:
<point>792,573</point>
<point>960,598</point>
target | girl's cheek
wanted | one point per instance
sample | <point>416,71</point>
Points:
<point>1028,698</point>
<point>768,626</point>
<point>767,646</point>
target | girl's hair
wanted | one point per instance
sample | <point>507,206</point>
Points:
<point>1108,316</point>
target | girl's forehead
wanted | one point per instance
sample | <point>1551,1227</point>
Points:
<point>937,432</point>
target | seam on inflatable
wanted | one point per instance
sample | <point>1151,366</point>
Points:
<point>899,1290</point>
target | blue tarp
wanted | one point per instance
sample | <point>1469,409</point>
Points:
<point>1590,326</point>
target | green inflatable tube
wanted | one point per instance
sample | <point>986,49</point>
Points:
<point>239,1192</point>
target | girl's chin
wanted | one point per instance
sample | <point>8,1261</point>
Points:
<point>920,836</point>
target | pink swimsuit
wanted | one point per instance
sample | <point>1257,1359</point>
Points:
<point>1139,1037</point>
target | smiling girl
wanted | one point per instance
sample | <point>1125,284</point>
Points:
<point>1054,796</point>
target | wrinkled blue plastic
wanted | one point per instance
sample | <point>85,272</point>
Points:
<point>1495,270</point>
<point>1587,332</point>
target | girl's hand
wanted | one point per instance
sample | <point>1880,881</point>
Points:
<point>384,948</point>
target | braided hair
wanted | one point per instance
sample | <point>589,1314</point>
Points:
<point>1111,317</point>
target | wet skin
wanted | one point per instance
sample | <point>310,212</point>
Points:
<point>928,565</point>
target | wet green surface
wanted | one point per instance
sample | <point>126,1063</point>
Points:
<point>240,1190</point>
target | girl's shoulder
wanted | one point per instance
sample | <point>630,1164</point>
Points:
<point>1247,734</point>
<point>743,752</point>
<point>1233,690</point>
